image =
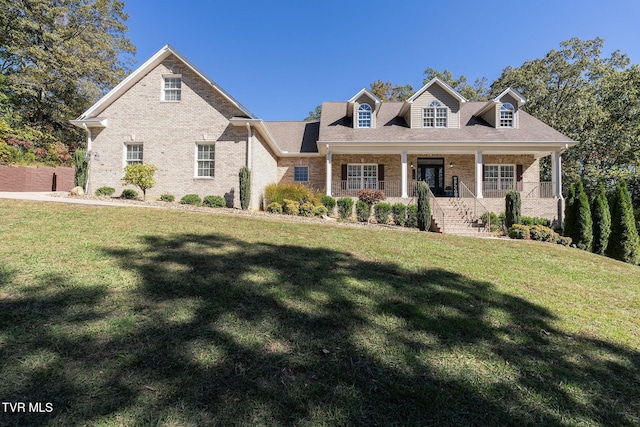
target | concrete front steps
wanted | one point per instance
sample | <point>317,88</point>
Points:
<point>459,218</point>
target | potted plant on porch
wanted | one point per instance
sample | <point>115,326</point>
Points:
<point>448,191</point>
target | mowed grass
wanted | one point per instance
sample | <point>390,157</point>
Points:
<point>131,317</point>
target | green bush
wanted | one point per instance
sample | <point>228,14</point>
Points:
<point>81,169</point>
<point>105,191</point>
<point>167,198</point>
<point>307,209</point>
<point>363,211</point>
<point>191,199</point>
<point>583,227</point>
<point>128,193</point>
<point>382,212</point>
<point>274,207</point>
<point>286,191</point>
<point>214,202</point>
<point>329,203</point>
<point>245,187</point>
<point>321,211</point>
<point>371,197</point>
<point>543,234</point>
<point>519,231</point>
<point>601,221</point>
<point>399,211</point>
<point>531,221</point>
<point>513,208</point>
<point>412,216</point>
<point>141,175</point>
<point>291,207</point>
<point>624,242</point>
<point>564,240</point>
<point>424,209</point>
<point>494,225</point>
<point>345,207</point>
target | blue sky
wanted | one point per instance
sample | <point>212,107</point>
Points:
<point>282,58</point>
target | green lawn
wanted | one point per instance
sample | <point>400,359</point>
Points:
<point>130,316</point>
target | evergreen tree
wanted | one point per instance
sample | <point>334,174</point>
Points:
<point>583,227</point>
<point>601,221</point>
<point>624,242</point>
<point>424,208</point>
<point>570,212</point>
<point>513,208</point>
<point>245,187</point>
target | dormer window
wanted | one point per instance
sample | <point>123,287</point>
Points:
<point>364,116</point>
<point>506,115</point>
<point>435,115</point>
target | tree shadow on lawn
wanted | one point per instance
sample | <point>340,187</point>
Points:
<point>220,331</point>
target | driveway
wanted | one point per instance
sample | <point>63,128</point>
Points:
<point>59,197</point>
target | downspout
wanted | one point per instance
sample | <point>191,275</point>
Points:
<point>249,137</point>
<point>87,154</point>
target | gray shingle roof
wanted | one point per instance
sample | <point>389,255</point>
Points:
<point>295,137</point>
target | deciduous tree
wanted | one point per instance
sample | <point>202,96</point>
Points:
<point>141,175</point>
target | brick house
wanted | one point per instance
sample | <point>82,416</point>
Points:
<point>170,114</point>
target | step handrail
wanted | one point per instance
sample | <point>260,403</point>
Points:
<point>436,209</point>
<point>465,193</point>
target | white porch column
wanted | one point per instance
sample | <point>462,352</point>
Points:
<point>556,174</point>
<point>328,167</point>
<point>479,174</point>
<point>404,175</point>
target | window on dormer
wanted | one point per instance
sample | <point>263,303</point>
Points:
<point>506,115</point>
<point>364,116</point>
<point>435,115</point>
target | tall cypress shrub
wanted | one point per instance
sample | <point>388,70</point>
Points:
<point>513,208</point>
<point>570,212</point>
<point>624,242</point>
<point>583,226</point>
<point>245,187</point>
<point>82,168</point>
<point>424,209</point>
<point>601,221</point>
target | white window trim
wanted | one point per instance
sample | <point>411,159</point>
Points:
<point>163,90</point>
<point>507,107</point>
<point>362,177</point>
<point>433,108</point>
<point>125,160</point>
<point>294,173</point>
<point>499,186</point>
<point>195,160</point>
<point>370,111</point>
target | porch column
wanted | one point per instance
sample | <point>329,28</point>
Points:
<point>556,174</point>
<point>328,167</point>
<point>404,175</point>
<point>479,174</point>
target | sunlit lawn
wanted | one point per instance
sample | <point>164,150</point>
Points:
<point>130,316</point>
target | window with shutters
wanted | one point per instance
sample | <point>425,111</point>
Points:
<point>361,176</point>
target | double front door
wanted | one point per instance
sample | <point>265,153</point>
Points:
<point>432,172</point>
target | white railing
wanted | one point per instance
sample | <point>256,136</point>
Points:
<point>351,189</point>
<point>528,189</point>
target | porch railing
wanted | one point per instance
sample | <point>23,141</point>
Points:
<point>529,190</point>
<point>351,189</point>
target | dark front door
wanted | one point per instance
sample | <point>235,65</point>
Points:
<point>434,176</point>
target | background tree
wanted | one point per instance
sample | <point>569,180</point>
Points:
<point>315,114</point>
<point>624,242</point>
<point>140,175</point>
<point>389,92</point>
<point>477,92</point>
<point>601,221</point>
<point>57,58</point>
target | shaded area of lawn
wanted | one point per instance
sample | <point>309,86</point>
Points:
<point>221,331</point>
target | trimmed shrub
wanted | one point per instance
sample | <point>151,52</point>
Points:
<point>570,212</point>
<point>329,203</point>
<point>624,242</point>
<point>291,207</point>
<point>274,207</point>
<point>307,209</point>
<point>167,198</point>
<point>512,208</point>
<point>214,202</point>
<point>583,227</point>
<point>527,220</point>
<point>296,192</point>
<point>345,207</point>
<point>82,169</point>
<point>371,197</point>
<point>412,216</point>
<point>564,240</point>
<point>519,231</point>
<point>382,212</point>
<point>245,187</point>
<point>494,224</point>
<point>543,234</point>
<point>601,217</point>
<point>320,211</point>
<point>363,211</point>
<point>105,191</point>
<point>128,193</point>
<point>399,211</point>
<point>191,199</point>
<point>424,209</point>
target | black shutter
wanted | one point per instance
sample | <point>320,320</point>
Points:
<point>344,173</point>
<point>483,173</point>
<point>519,172</point>
<point>381,176</point>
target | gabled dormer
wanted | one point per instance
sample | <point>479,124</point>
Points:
<point>363,107</point>
<point>435,105</point>
<point>502,111</point>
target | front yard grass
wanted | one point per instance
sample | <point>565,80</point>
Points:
<point>128,316</point>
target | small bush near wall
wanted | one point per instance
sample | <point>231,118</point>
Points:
<point>529,221</point>
<point>274,207</point>
<point>382,212</point>
<point>321,211</point>
<point>399,214</point>
<point>543,234</point>
<point>329,203</point>
<point>519,231</point>
<point>363,211</point>
<point>105,191</point>
<point>214,202</point>
<point>371,197</point>
<point>284,191</point>
<point>128,193</point>
<point>307,209</point>
<point>494,225</point>
<point>345,207</point>
<point>167,198</point>
<point>412,216</point>
<point>291,207</point>
<point>191,199</point>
